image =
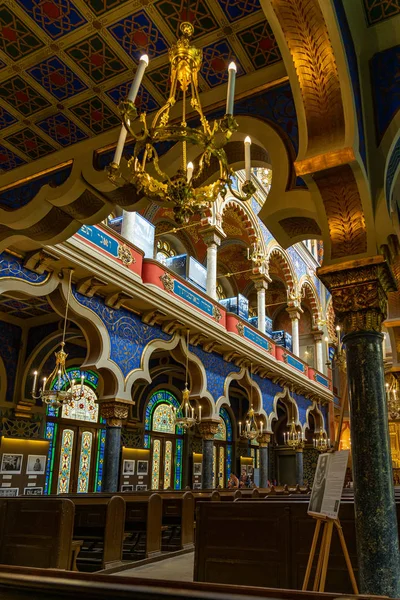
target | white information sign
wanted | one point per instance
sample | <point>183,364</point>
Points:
<point>328,484</point>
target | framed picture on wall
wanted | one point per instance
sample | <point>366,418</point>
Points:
<point>143,467</point>
<point>11,464</point>
<point>127,488</point>
<point>9,491</point>
<point>33,491</point>
<point>36,464</point>
<point>197,468</point>
<point>197,486</point>
<point>141,488</point>
<point>128,467</point>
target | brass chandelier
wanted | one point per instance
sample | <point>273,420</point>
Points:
<point>184,190</point>
<point>251,429</point>
<point>189,416</point>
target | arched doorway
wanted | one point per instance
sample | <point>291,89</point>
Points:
<point>77,439</point>
<point>222,463</point>
<point>164,440</point>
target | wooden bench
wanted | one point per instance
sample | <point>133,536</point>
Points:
<point>18,583</point>
<point>143,526</point>
<point>266,543</point>
<point>36,533</point>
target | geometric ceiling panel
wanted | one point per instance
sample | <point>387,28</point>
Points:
<point>260,45</point>
<point>16,40</point>
<point>216,59</point>
<point>160,78</point>
<point>62,130</point>
<point>9,160</point>
<point>55,17</point>
<point>6,118</point>
<point>32,307</point>
<point>30,143</point>
<point>2,65</point>
<point>96,115</point>
<point>22,96</point>
<point>138,35</point>
<point>239,8</point>
<point>199,14</point>
<point>99,7</point>
<point>380,10</point>
<point>144,100</point>
<point>58,79</point>
<point>95,57</point>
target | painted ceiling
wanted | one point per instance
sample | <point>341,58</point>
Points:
<point>65,64</point>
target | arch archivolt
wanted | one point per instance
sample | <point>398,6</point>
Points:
<point>290,404</point>
<point>307,284</point>
<point>277,253</point>
<point>250,224</point>
<point>320,425</point>
<point>247,383</point>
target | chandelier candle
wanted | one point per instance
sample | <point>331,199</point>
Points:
<point>143,63</point>
<point>35,374</point>
<point>231,88</point>
<point>120,145</point>
<point>247,157</point>
<point>189,171</point>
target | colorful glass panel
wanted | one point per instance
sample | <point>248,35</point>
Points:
<point>100,461</point>
<point>221,433</point>
<point>167,464</point>
<point>64,472</point>
<point>155,468</point>
<point>147,441</point>
<point>83,409</point>
<point>178,464</point>
<point>51,432</point>
<point>161,397</point>
<point>84,462</point>
<point>214,466</point>
<point>221,467</point>
<point>223,413</point>
<point>163,419</point>
<point>228,461</point>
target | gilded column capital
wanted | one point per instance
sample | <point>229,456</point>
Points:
<point>264,440</point>
<point>359,292</point>
<point>212,235</point>
<point>115,411</point>
<point>209,428</point>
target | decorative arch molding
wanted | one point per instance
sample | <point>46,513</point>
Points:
<point>286,264</point>
<point>318,418</point>
<point>249,220</point>
<point>328,160</point>
<point>246,382</point>
<point>289,402</point>
<point>42,288</point>
<point>311,295</point>
<point>177,346</point>
<point>330,321</point>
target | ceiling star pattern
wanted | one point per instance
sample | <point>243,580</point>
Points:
<point>66,64</point>
<point>380,10</point>
<point>32,307</point>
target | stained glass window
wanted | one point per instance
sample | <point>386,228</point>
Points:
<point>221,433</point>
<point>167,464</point>
<point>178,464</point>
<point>214,466</point>
<point>221,468</point>
<point>83,409</point>
<point>223,413</point>
<point>100,460</point>
<point>84,462</point>
<point>228,461</point>
<point>163,419</point>
<point>155,470</point>
<point>64,472</point>
<point>51,432</point>
<point>160,397</point>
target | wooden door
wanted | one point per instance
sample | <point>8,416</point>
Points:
<point>74,460</point>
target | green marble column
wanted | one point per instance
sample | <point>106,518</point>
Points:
<point>208,429</point>
<point>359,294</point>
<point>264,467</point>
<point>115,412</point>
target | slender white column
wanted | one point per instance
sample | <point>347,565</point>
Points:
<point>261,284</point>
<point>212,238</point>
<point>128,226</point>
<point>212,254</point>
<point>319,351</point>
<point>294,313</point>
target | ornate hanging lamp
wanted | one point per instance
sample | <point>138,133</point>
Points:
<point>251,430</point>
<point>293,437</point>
<point>64,390</point>
<point>321,442</point>
<point>189,417</point>
<point>183,190</point>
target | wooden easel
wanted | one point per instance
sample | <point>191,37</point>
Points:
<point>323,559</point>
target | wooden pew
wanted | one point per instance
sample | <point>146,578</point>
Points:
<point>272,546</point>
<point>99,522</point>
<point>178,517</point>
<point>143,526</point>
<point>18,583</point>
<point>36,533</point>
